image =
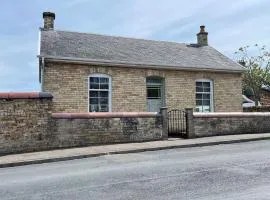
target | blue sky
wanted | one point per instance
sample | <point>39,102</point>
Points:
<point>230,23</point>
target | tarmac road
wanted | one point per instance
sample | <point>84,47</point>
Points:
<point>231,171</point>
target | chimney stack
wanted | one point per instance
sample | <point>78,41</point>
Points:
<point>202,37</point>
<point>49,18</point>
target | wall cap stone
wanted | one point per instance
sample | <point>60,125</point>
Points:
<point>231,114</point>
<point>25,95</point>
<point>94,115</point>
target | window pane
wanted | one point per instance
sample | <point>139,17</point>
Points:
<point>104,86</point>
<point>93,94</point>
<point>198,84</point>
<point>94,108</point>
<point>153,93</point>
<point>94,83</point>
<point>103,100</point>
<point>93,100</point>
<point>206,102</point>
<point>104,108</point>
<point>94,79</point>
<point>206,109</point>
<point>104,94</point>
<point>206,96</point>
<point>154,81</point>
<point>199,108</point>
<point>94,86</point>
<point>206,84</point>
<point>104,80</point>
<point>206,89</point>
<point>198,102</point>
<point>199,89</point>
<point>199,96</point>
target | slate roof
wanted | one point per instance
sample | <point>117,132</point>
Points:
<point>102,48</point>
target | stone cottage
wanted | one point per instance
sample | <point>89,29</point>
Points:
<point>99,73</point>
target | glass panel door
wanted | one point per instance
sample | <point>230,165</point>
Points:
<point>155,94</point>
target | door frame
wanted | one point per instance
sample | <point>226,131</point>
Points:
<point>156,81</point>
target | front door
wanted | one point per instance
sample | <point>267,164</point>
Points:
<point>155,94</point>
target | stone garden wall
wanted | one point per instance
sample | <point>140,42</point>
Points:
<point>210,124</point>
<point>24,119</point>
<point>82,129</point>
<point>28,124</point>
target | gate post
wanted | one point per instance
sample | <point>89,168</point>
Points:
<point>189,123</point>
<point>164,118</point>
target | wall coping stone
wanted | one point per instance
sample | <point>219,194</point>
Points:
<point>25,95</point>
<point>94,115</point>
<point>231,114</point>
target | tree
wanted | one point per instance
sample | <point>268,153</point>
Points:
<point>257,75</point>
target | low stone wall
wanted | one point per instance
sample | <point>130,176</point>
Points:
<point>210,124</point>
<point>82,129</point>
<point>28,124</point>
<point>24,119</point>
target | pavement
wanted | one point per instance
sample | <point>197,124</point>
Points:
<point>94,151</point>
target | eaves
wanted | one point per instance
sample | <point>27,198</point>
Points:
<point>134,65</point>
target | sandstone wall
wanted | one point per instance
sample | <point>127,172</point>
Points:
<point>69,85</point>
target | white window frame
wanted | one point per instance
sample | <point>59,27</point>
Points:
<point>109,90</point>
<point>211,93</point>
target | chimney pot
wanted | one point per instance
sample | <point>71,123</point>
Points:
<point>49,18</point>
<point>242,62</point>
<point>202,29</point>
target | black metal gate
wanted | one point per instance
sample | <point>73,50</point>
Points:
<point>177,123</point>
